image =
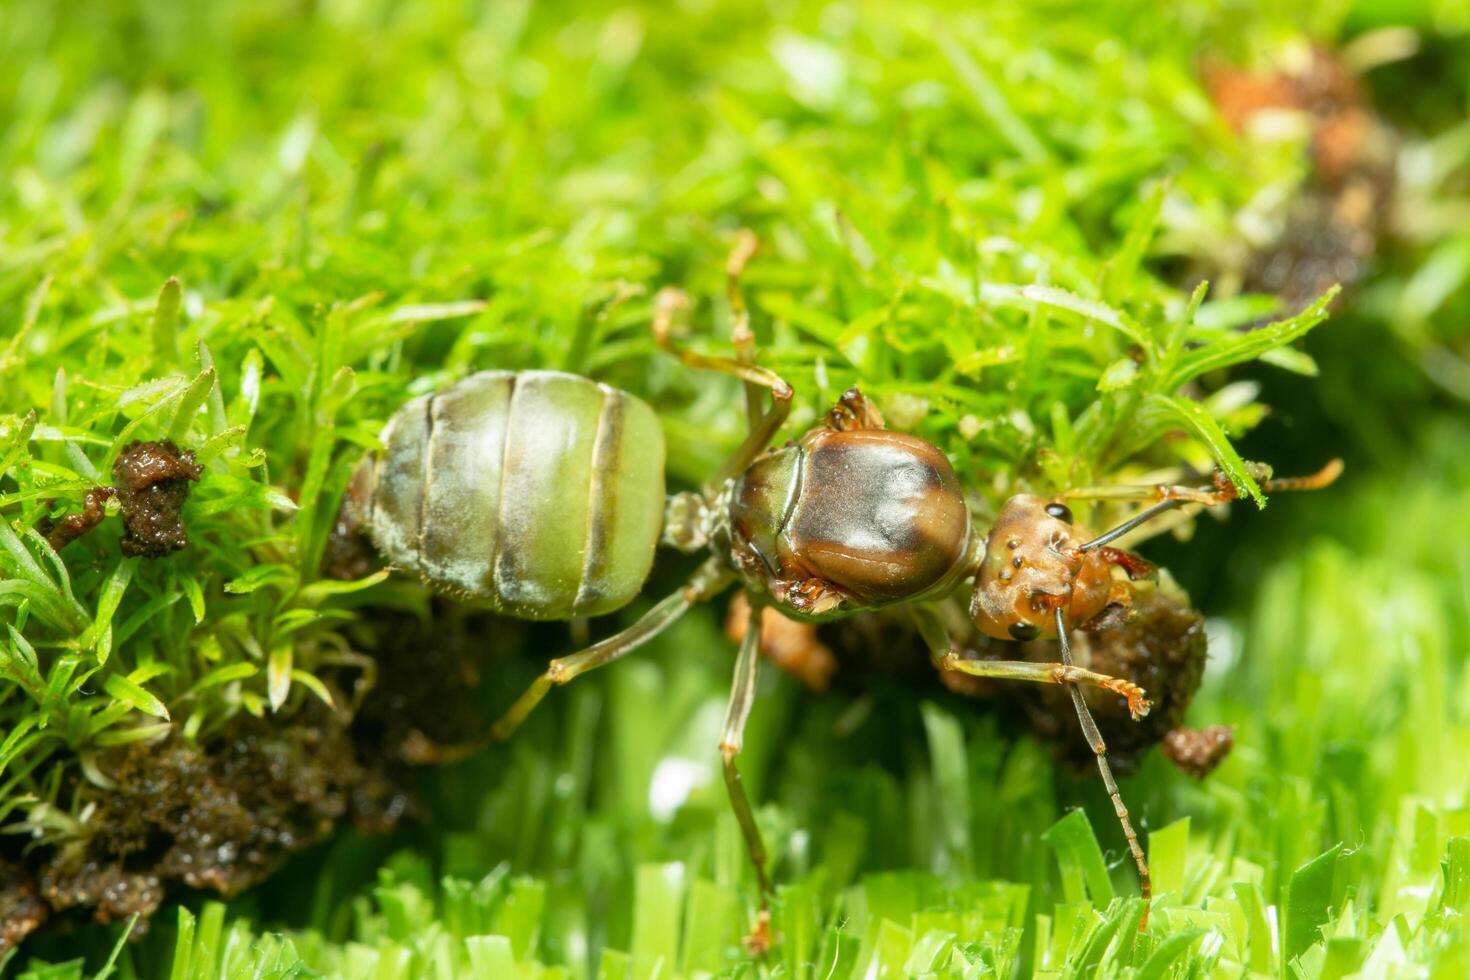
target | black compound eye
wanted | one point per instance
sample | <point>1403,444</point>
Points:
<point>1024,631</point>
<point>1061,512</point>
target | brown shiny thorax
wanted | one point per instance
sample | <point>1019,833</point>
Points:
<point>849,516</point>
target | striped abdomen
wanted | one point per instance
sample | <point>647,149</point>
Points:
<point>538,493</point>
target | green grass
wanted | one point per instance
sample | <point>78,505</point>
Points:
<point>256,229</point>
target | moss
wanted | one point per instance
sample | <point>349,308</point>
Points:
<point>254,230</point>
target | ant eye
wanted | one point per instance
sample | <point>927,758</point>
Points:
<point>1061,512</point>
<point>1024,631</point>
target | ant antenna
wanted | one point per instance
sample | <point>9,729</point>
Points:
<point>1221,493</point>
<point>1100,749</point>
<point>1142,517</point>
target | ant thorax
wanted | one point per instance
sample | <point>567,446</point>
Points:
<point>1033,565</point>
<point>847,519</point>
<point>698,521</point>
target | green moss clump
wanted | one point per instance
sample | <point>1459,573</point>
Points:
<point>254,230</point>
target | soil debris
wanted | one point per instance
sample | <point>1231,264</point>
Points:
<point>1332,228</point>
<point>221,817</point>
<point>1161,647</point>
<point>1198,751</point>
<point>61,533</point>
<point>21,907</point>
<point>152,482</point>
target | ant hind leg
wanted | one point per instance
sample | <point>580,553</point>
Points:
<point>705,583</point>
<point>732,739</point>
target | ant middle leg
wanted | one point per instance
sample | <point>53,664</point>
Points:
<point>1171,496</point>
<point>732,740</point>
<point>741,336</point>
<point>708,581</point>
<point>763,429</point>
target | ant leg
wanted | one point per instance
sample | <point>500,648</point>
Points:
<point>1100,749</point>
<point>1043,673</point>
<point>732,739</point>
<point>740,333</point>
<point>668,301</point>
<point>853,411</point>
<point>1219,491</point>
<point>1071,675</point>
<point>706,582</point>
<point>1170,496</point>
<point>945,658</point>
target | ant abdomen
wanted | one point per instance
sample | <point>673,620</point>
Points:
<point>535,493</point>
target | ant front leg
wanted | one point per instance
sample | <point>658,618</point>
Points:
<point>947,658</point>
<point>708,581</point>
<point>732,740</point>
<point>668,302</point>
<point>1100,749</point>
<point>1069,674</point>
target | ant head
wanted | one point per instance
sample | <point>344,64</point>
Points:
<point>1033,565</point>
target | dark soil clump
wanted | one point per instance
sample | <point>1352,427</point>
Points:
<point>61,533</point>
<point>152,483</point>
<point>21,908</point>
<point>1162,649</point>
<point>1197,751</point>
<point>220,817</point>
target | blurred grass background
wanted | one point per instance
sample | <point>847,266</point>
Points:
<point>363,199</point>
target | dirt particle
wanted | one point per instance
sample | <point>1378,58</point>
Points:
<point>110,891</point>
<point>21,907</point>
<point>152,482</point>
<point>61,533</point>
<point>1197,751</point>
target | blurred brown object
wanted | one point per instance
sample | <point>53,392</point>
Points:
<point>1197,751</point>
<point>1333,224</point>
<point>790,644</point>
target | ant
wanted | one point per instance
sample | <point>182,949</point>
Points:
<point>540,495</point>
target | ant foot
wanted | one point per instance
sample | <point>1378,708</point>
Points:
<point>760,940</point>
<point>418,749</point>
<point>1138,703</point>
